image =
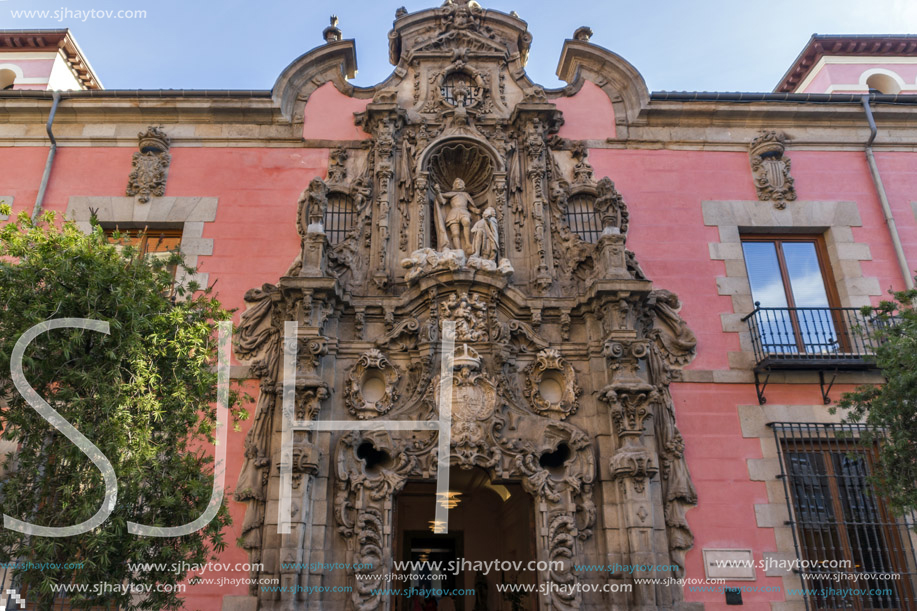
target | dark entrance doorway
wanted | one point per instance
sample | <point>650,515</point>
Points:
<point>491,521</point>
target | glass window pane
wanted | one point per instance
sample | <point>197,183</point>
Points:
<point>807,282</point>
<point>764,274</point>
<point>805,273</point>
<point>774,326</point>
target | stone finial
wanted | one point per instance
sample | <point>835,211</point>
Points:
<point>583,33</point>
<point>400,12</point>
<point>332,33</point>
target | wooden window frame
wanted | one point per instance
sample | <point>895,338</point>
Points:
<point>148,234</point>
<point>827,275</point>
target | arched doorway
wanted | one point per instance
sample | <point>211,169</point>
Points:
<point>490,521</point>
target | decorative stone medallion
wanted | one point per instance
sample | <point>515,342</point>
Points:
<point>550,385</point>
<point>371,387</point>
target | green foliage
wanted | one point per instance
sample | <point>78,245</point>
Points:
<point>144,395</point>
<point>891,409</point>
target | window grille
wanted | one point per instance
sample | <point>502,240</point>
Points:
<point>472,91</point>
<point>340,217</point>
<point>837,517</point>
<point>583,219</point>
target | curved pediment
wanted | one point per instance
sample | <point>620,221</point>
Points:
<point>461,37</point>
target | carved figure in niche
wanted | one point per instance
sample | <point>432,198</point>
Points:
<point>457,220</point>
<point>486,236</point>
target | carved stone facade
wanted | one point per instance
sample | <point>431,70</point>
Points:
<point>459,208</point>
<point>150,165</point>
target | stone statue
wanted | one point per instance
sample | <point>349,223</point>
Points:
<point>486,237</point>
<point>453,217</point>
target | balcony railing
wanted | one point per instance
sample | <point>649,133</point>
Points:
<point>822,339</point>
<point>797,338</point>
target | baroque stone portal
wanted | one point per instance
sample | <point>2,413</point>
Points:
<point>465,205</point>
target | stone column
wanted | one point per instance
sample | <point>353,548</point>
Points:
<point>631,402</point>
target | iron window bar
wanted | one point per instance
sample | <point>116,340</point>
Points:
<point>583,219</point>
<point>827,340</point>
<point>340,217</point>
<point>836,514</point>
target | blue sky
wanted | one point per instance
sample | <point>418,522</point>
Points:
<point>700,45</point>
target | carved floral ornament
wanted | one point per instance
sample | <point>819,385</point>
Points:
<point>371,388</point>
<point>150,165</point>
<point>550,384</point>
<point>771,169</point>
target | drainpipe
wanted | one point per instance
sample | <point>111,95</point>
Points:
<point>47,175</point>
<point>883,198</point>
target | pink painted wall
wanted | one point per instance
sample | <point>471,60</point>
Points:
<point>849,74</point>
<point>664,191</point>
<point>725,516</point>
<point>588,115</point>
<point>255,240</point>
<point>254,237</point>
<point>717,453</point>
<point>31,68</point>
<point>329,115</point>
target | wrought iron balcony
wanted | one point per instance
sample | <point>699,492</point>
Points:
<point>822,339</point>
